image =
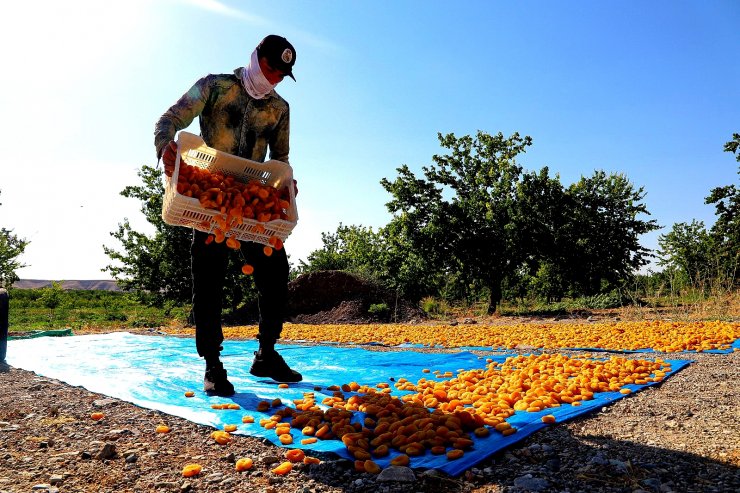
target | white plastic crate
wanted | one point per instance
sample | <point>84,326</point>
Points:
<point>179,210</point>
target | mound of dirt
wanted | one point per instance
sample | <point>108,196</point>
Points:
<point>331,297</point>
<point>339,297</point>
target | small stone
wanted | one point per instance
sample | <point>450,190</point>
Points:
<point>39,487</point>
<point>270,459</point>
<point>104,402</point>
<point>168,485</point>
<point>56,479</point>
<point>108,451</point>
<point>528,483</point>
<point>131,458</point>
<point>652,483</point>
<point>185,487</point>
<point>229,458</point>
<point>216,477</point>
<point>400,474</point>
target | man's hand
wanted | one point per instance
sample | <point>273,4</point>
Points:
<point>169,156</point>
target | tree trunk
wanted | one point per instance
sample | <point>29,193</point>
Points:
<point>495,298</point>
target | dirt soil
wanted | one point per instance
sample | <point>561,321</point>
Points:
<point>680,436</point>
<point>331,297</point>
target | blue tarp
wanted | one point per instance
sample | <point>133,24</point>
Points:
<point>155,372</point>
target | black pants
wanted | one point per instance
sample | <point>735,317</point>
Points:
<point>209,264</point>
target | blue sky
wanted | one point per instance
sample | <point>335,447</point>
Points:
<point>648,89</point>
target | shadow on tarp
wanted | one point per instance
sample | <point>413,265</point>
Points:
<point>155,372</point>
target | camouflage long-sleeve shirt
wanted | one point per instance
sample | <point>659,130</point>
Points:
<point>230,119</point>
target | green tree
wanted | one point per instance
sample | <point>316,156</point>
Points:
<point>605,227</point>
<point>157,267</point>
<point>350,248</point>
<point>464,215</point>
<point>52,297</point>
<point>726,229</point>
<point>383,256</point>
<point>687,248</point>
<point>11,248</point>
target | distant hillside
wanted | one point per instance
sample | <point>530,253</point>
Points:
<point>37,284</point>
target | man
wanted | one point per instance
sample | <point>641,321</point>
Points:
<point>240,114</point>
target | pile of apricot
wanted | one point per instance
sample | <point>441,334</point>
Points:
<point>441,415</point>
<point>663,336</point>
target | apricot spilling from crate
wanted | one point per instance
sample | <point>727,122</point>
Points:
<point>244,464</point>
<point>191,470</point>
<point>214,190</point>
<point>97,416</point>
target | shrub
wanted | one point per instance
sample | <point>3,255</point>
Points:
<point>379,310</point>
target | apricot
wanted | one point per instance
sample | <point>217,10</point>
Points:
<point>286,438</point>
<point>247,270</point>
<point>455,454</point>
<point>247,419</point>
<point>400,460</point>
<point>549,419</point>
<point>162,429</point>
<point>191,470</point>
<point>221,437</point>
<point>229,428</point>
<point>311,460</point>
<point>283,469</point>
<point>97,416</point>
<point>244,464</point>
<point>189,393</point>
<point>371,466</point>
<point>295,455</point>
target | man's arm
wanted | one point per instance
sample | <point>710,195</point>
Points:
<point>181,115</point>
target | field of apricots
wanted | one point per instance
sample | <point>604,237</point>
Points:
<point>660,336</point>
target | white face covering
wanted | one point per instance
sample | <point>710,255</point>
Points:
<point>254,81</point>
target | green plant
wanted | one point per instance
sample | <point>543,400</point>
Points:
<point>379,310</point>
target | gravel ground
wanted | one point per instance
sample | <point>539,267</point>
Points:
<point>680,436</point>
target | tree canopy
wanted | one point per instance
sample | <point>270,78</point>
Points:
<point>11,248</point>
